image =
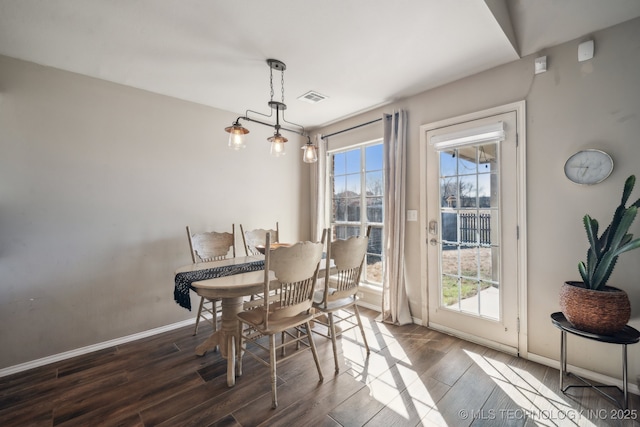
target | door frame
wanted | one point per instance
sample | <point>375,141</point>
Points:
<point>521,214</point>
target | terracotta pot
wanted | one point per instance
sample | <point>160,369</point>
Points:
<point>603,312</point>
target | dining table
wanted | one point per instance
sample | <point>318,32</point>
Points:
<point>230,280</point>
<point>261,248</point>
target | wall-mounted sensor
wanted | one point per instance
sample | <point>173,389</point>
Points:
<point>585,50</point>
<point>540,64</point>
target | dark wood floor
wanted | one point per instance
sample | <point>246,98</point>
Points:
<point>414,376</point>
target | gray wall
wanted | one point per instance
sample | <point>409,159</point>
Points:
<point>97,184</point>
<point>593,104</point>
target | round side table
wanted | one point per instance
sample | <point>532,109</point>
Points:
<point>626,336</point>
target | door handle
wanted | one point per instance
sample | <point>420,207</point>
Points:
<point>433,242</point>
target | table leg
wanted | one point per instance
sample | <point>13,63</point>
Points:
<point>230,309</point>
<point>563,370</point>
<point>563,358</point>
<point>226,337</point>
<point>209,343</point>
<point>624,377</point>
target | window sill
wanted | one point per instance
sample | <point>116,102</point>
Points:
<point>373,289</point>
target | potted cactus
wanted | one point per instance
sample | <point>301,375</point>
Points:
<point>591,305</point>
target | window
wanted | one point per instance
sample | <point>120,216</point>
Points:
<point>352,209</point>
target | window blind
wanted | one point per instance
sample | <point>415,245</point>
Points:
<point>472,136</point>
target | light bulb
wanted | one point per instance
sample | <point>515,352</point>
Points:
<point>277,144</point>
<point>277,148</point>
<point>236,140</point>
<point>236,135</point>
<point>309,155</point>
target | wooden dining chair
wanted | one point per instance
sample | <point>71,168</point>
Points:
<point>205,247</point>
<point>257,237</point>
<point>340,290</point>
<point>290,277</point>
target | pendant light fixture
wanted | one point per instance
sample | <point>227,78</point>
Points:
<point>310,152</point>
<point>236,135</point>
<point>237,132</point>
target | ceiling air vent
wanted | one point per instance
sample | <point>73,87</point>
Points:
<point>312,97</point>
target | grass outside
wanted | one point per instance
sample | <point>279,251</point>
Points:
<point>468,289</point>
<point>454,290</point>
<point>468,263</point>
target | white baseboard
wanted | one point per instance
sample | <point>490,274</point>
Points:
<point>91,348</point>
<point>473,338</point>
<point>589,375</point>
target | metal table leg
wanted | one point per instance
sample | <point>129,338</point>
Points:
<point>624,376</point>
<point>563,370</point>
<point>626,335</point>
<point>563,358</point>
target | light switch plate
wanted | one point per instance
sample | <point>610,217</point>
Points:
<point>412,215</point>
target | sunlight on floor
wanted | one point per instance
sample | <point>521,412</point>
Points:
<point>534,399</point>
<point>411,393</point>
<point>415,398</point>
<point>389,376</point>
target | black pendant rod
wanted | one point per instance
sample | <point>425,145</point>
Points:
<point>245,117</point>
<point>351,128</point>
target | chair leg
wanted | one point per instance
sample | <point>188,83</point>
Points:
<point>364,338</point>
<point>283,351</point>
<point>313,350</point>
<point>195,331</point>
<point>272,363</point>
<point>332,332</point>
<point>241,344</point>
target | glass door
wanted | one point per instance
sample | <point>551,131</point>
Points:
<point>472,229</point>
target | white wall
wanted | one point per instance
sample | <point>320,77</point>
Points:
<point>593,104</point>
<point>97,184</point>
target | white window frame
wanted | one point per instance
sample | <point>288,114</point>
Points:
<point>364,220</point>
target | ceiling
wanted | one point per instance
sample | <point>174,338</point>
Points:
<point>361,54</point>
